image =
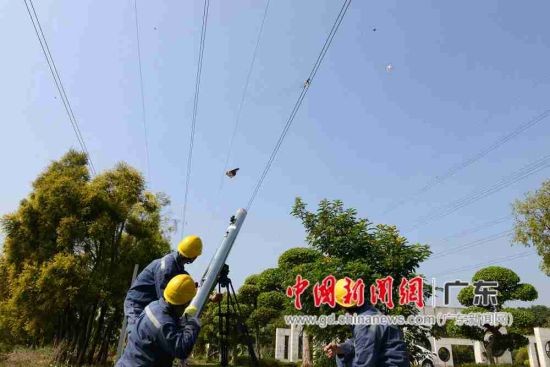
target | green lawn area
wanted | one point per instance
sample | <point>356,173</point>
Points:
<point>21,357</point>
<point>25,357</point>
<point>42,357</point>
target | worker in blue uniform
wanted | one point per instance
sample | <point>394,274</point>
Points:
<point>150,283</point>
<point>371,345</point>
<point>162,332</point>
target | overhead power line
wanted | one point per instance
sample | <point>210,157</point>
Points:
<point>301,97</point>
<point>57,79</point>
<point>456,249</point>
<point>244,94</point>
<point>478,228</point>
<point>471,160</point>
<point>143,112</point>
<point>520,174</point>
<point>195,106</point>
<point>483,264</point>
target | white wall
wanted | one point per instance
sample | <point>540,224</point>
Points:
<point>294,335</point>
<point>542,337</point>
<point>280,343</point>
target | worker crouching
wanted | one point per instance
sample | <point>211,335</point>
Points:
<point>150,283</point>
<point>162,333</point>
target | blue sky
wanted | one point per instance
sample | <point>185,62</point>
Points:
<point>464,74</point>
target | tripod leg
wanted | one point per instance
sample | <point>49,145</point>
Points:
<point>242,327</point>
<point>223,327</point>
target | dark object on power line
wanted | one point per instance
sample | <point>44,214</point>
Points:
<point>232,173</point>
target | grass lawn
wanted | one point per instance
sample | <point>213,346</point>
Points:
<point>25,357</point>
<point>20,357</point>
<point>42,357</point>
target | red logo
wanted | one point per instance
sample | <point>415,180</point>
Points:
<point>382,291</point>
<point>324,293</point>
<point>412,291</point>
<point>356,293</point>
<point>296,291</point>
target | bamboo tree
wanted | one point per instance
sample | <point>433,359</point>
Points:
<point>68,249</point>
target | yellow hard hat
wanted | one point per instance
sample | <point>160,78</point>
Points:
<point>190,247</point>
<point>180,290</point>
<point>340,292</point>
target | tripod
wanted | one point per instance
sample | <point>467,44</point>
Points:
<point>232,309</point>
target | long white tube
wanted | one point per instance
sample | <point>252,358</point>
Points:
<point>210,279</point>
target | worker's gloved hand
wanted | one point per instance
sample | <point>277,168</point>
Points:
<point>191,320</point>
<point>189,316</point>
<point>190,310</point>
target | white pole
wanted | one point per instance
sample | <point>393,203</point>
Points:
<point>210,279</point>
<point>122,336</point>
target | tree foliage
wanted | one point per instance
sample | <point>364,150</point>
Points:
<point>68,256</point>
<point>510,289</point>
<point>533,223</point>
<point>541,314</point>
<point>340,244</point>
<point>355,247</point>
<point>261,302</point>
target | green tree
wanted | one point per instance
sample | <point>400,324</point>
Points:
<point>263,296</point>
<point>340,244</point>
<point>260,301</point>
<point>355,247</point>
<point>509,289</point>
<point>209,338</point>
<point>533,223</point>
<point>542,315</point>
<point>521,357</point>
<point>68,256</point>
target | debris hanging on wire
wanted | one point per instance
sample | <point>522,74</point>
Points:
<point>232,173</point>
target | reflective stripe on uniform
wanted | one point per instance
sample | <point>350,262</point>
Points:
<point>152,317</point>
<point>163,264</point>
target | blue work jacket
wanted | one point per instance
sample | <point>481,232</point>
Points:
<point>373,345</point>
<point>158,337</point>
<point>150,283</point>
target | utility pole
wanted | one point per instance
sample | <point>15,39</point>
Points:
<point>122,337</point>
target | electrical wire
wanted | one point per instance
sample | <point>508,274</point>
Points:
<point>456,249</point>
<point>57,80</point>
<point>477,228</point>
<point>522,173</point>
<point>244,94</point>
<point>195,106</point>
<point>476,266</point>
<point>144,115</point>
<point>300,99</point>
<point>473,159</point>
